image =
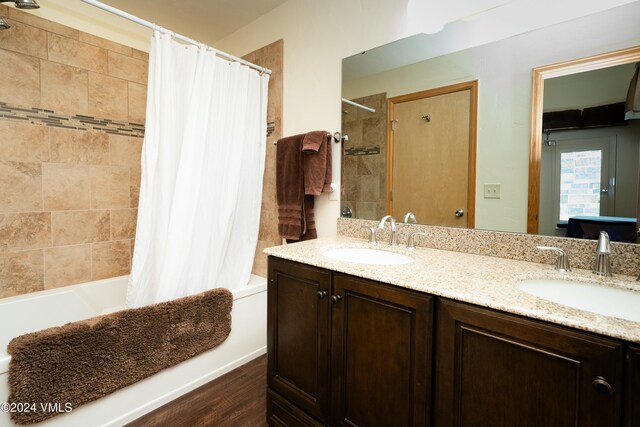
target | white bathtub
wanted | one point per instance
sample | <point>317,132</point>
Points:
<point>32,312</point>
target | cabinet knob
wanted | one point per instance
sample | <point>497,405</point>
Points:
<point>602,385</point>
<point>321,294</point>
<point>335,299</point>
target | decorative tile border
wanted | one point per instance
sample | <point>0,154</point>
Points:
<point>45,117</point>
<point>625,257</point>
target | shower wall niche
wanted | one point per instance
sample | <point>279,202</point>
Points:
<point>72,112</point>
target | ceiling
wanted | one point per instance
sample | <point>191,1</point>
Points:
<point>203,20</point>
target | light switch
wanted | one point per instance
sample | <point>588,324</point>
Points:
<point>492,191</point>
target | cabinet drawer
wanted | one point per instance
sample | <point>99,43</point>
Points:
<point>281,413</point>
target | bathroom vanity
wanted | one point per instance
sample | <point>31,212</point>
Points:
<point>447,340</point>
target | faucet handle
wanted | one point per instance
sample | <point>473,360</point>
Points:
<point>562,263</point>
<point>372,234</point>
<point>411,238</point>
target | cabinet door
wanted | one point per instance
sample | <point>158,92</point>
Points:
<point>632,397</point>
<point>380,353</point>
<point>298,334</point>
<point>495,369</point>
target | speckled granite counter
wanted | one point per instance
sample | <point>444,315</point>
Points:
<point>477,279</point>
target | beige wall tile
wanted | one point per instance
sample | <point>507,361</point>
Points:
<point>108,97</point>
<point>67,265</point>
<point>128,68</point>
<point>23,142</point>
<point>125,150</point>
<point>24,39</point>
<point>138,54</point>
<point>134,187</point>
<point>123,223</point>
<point>110,259</point>
<point>260,259</point>
<point>109,187</point>
<point>66,186</point>
<point>20,187</point>
<point>75,146</point>
<point>74,227</point>
<point>21,272</point>
<point>137,102</point>
<point>77,54</point>
<point>20,86</point>
<point>22,231</point>
<point>64,88</point>
<point>45,24</point>
<point>104,43</point>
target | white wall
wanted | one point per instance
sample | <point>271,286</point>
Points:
<point>317,35</point>
<point>75,14</point>
<point>590,89</point>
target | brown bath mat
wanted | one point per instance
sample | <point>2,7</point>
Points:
<point>83,361</point>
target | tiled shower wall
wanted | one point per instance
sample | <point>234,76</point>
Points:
<point>72,109</point>
<point>364,176</point>
<point>270,57</point>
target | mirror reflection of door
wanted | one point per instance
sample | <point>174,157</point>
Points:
<point>431,149</point>
<point>581,179</point>
<point>584,100</point>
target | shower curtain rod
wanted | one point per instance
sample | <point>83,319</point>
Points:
<point>364,107</point>
<point>153,26</point>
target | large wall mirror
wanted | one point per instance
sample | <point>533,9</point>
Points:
<point>385,165</point>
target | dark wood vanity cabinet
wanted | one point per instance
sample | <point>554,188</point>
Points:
<point>345,351</point>
<point>298,329</point>
<point>632,402</point>
<point>380,354</point>
<point>496,369</point>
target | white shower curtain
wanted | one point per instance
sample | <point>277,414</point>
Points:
<point>202,166</point>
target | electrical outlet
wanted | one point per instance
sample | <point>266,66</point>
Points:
<point>492,191</point>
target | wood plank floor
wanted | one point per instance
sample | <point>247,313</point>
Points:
<point>236,399</point>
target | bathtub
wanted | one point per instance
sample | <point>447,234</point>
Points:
<point>32,312</point>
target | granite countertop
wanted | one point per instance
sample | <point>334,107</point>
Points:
<point>477,279</point>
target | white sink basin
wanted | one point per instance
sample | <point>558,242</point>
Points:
<point>615,302</point>
<point>367,256</point>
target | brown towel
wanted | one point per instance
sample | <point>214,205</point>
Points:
<point>317,162</point>
<point>309,219</point>
<point>290,188</point>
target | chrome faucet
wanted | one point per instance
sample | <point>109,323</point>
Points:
<point>372,234</point>
<point>602,265</point>
<point>409,218</point>
<point>562,263</point>
<point>393,241</point>
<point>410,245</point>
